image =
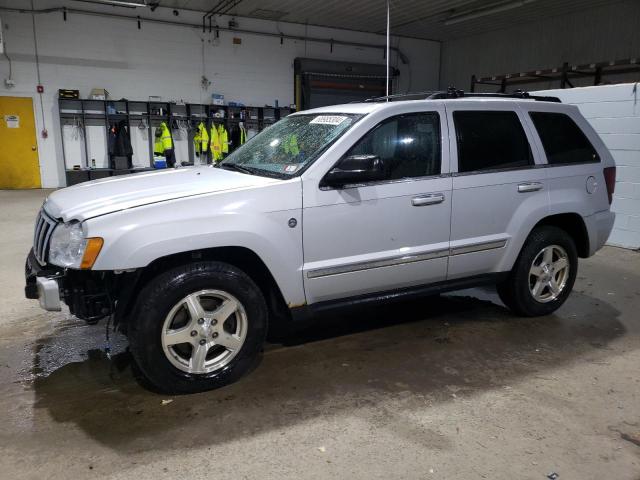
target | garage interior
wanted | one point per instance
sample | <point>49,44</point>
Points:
<point>452,386</point>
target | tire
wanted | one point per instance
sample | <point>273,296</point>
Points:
<point>177,352</point>
<point>525,291</point>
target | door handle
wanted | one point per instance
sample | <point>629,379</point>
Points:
<point>529,187</point>
<point>431,199</point>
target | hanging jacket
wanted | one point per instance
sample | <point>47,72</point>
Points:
<point>119,140</point>
<point>223,135</point>
<point>201,139</point>
<point>238,136</point>
<point>158,149</point>
<point>215,143</point>
<point>165,135</point>
<point>243,135</point>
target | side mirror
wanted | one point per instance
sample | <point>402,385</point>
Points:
<point>355,169</point>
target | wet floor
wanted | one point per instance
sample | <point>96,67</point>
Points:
<point>447,387</point>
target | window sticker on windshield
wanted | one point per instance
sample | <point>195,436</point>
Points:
<point>329,119</point>
<point>290,168</point>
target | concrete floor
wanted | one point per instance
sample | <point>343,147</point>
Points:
<point>449,388</point>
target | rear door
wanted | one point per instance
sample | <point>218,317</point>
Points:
<point>575,170</point>
<point>499,191</point>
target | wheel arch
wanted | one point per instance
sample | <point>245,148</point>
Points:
<point>574,225</point>
<point>241,257</point>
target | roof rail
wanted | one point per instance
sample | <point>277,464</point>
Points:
<point>452,92</point>
<point>403,96</point>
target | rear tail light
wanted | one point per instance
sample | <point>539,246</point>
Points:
<point>610,181</point>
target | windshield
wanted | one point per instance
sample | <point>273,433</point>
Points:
<point>289,145</point>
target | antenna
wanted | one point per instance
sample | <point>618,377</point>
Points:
<point>387,55</point>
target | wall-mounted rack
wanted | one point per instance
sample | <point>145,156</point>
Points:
<point>182,120</point>
<point>564,74</point>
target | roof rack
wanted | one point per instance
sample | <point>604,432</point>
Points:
<point>452,92</point>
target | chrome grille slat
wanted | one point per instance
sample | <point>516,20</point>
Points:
<point>42,234</point>
<point>39,221</point>
<point>40,243</point>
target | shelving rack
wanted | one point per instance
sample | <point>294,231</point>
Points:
<point>564,74</point>
<point>148,115</point>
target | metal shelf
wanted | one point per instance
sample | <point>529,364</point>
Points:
<point>564,74</point>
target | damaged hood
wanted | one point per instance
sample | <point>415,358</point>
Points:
<point>108,195</point>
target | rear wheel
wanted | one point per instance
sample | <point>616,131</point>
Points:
<point>543,275</point>
<point>198,327</point>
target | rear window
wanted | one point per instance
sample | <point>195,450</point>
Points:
<point>563,141</point>
<point>490,140</point>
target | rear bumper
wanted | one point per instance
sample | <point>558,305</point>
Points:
<point>42,284</point>
<point>599,226</point>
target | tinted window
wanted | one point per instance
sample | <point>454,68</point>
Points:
<point>562,139</point>
<point>490,140</point>
<point>409,145</point>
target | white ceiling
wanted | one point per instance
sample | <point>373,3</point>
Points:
<point>413,18</point>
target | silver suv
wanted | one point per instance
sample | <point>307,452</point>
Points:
<point>341,205</point>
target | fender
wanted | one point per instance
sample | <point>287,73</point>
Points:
<point>257,220</point>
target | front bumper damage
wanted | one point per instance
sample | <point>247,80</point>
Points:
<point>42,284</point>
<point>90,295</point>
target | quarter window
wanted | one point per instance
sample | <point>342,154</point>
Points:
<point>489,140</point>
<point>562,139</point>
<point>408,145</point>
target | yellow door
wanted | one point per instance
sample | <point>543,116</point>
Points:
<point>19,165</point>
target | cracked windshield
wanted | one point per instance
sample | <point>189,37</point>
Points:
<point>288,146</point>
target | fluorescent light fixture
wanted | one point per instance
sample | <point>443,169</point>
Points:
<point>483,12</point>
<point>123,3</point>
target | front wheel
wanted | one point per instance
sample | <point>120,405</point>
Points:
<point>198,327</point>
<point>543,275</point>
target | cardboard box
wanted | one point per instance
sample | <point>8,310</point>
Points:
<point>98,94</point>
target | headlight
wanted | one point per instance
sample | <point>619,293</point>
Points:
<point>68,247</point>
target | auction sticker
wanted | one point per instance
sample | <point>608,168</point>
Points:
<point>290,168</point>
<point>329,119</point>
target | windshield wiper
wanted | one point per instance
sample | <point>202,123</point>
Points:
<point>252,170</point>
<point>236,167</point>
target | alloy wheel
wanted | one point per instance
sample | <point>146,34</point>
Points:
<point>549,273</point>
<point>204,331</point>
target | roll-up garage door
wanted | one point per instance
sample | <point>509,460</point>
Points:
<point>319,83</point>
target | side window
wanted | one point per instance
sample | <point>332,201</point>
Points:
<point>489,140</point>
<point>562,139</point>
<point>409,145</point>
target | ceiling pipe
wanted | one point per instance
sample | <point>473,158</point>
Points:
<point>403,58</point>
<point>221,8</point>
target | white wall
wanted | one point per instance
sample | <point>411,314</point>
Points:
<point>614,112</point>
<point>88,52</point>
<point>609,32</point>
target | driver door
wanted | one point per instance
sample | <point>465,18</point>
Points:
<point>385,235</point>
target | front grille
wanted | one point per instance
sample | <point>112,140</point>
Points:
<point>41,236</point>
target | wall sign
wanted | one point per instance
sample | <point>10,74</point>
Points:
<point>12,121</point>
